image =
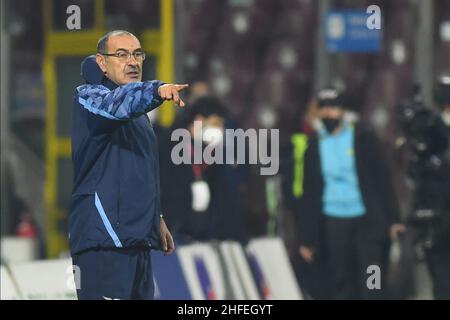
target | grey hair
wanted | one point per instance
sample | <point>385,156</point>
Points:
<point>102,44</point>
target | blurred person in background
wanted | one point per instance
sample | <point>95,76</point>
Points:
<point>22,220</point>
<point>348,205</point>
<point>438,257</point>
<point>202,201</point>
<point>312,275</point>
<point>198,89</point>
<point>427,133</point>
<point>115,216</point>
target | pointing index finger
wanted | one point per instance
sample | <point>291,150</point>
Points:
<point>181,87</point>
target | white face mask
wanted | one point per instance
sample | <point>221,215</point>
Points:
<point>212,135</point>
<point>201,196</point>
<point>446,118</point>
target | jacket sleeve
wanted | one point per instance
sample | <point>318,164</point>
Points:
<point>123,103</point>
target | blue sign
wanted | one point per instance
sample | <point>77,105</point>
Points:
<point>348,31</point>
<point>170,281</point>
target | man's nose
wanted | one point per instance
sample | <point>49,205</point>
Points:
<point>132,60</point>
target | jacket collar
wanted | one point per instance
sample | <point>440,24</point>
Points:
<point>92,74</point>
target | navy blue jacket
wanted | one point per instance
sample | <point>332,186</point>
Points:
<point>116,194</point>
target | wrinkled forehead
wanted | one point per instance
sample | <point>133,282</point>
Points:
<point>126,42</point>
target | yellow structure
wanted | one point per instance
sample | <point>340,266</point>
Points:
<point>64,50</point>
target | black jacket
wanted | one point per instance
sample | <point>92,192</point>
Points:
<point>374,180</point>
<point>221,221</point>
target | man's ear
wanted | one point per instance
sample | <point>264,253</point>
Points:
<point>101,62</point>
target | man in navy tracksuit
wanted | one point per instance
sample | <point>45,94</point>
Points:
<point>115,216</point>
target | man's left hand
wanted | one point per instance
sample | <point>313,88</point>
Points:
<point>167,242</point>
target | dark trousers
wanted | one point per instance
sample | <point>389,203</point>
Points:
<point>350,251</point>
<point>111,274</point>
<point>438,261</point>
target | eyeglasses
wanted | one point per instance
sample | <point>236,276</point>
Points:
<point>123,55</point>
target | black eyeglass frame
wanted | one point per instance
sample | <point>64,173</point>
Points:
<point>129,54</point>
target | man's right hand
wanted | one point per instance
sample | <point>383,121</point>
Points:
<point>306,253</point>
<point>171,92</point>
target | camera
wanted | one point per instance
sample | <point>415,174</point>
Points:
<point>424,134</point>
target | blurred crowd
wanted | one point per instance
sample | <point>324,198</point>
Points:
<point>337,190</point>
